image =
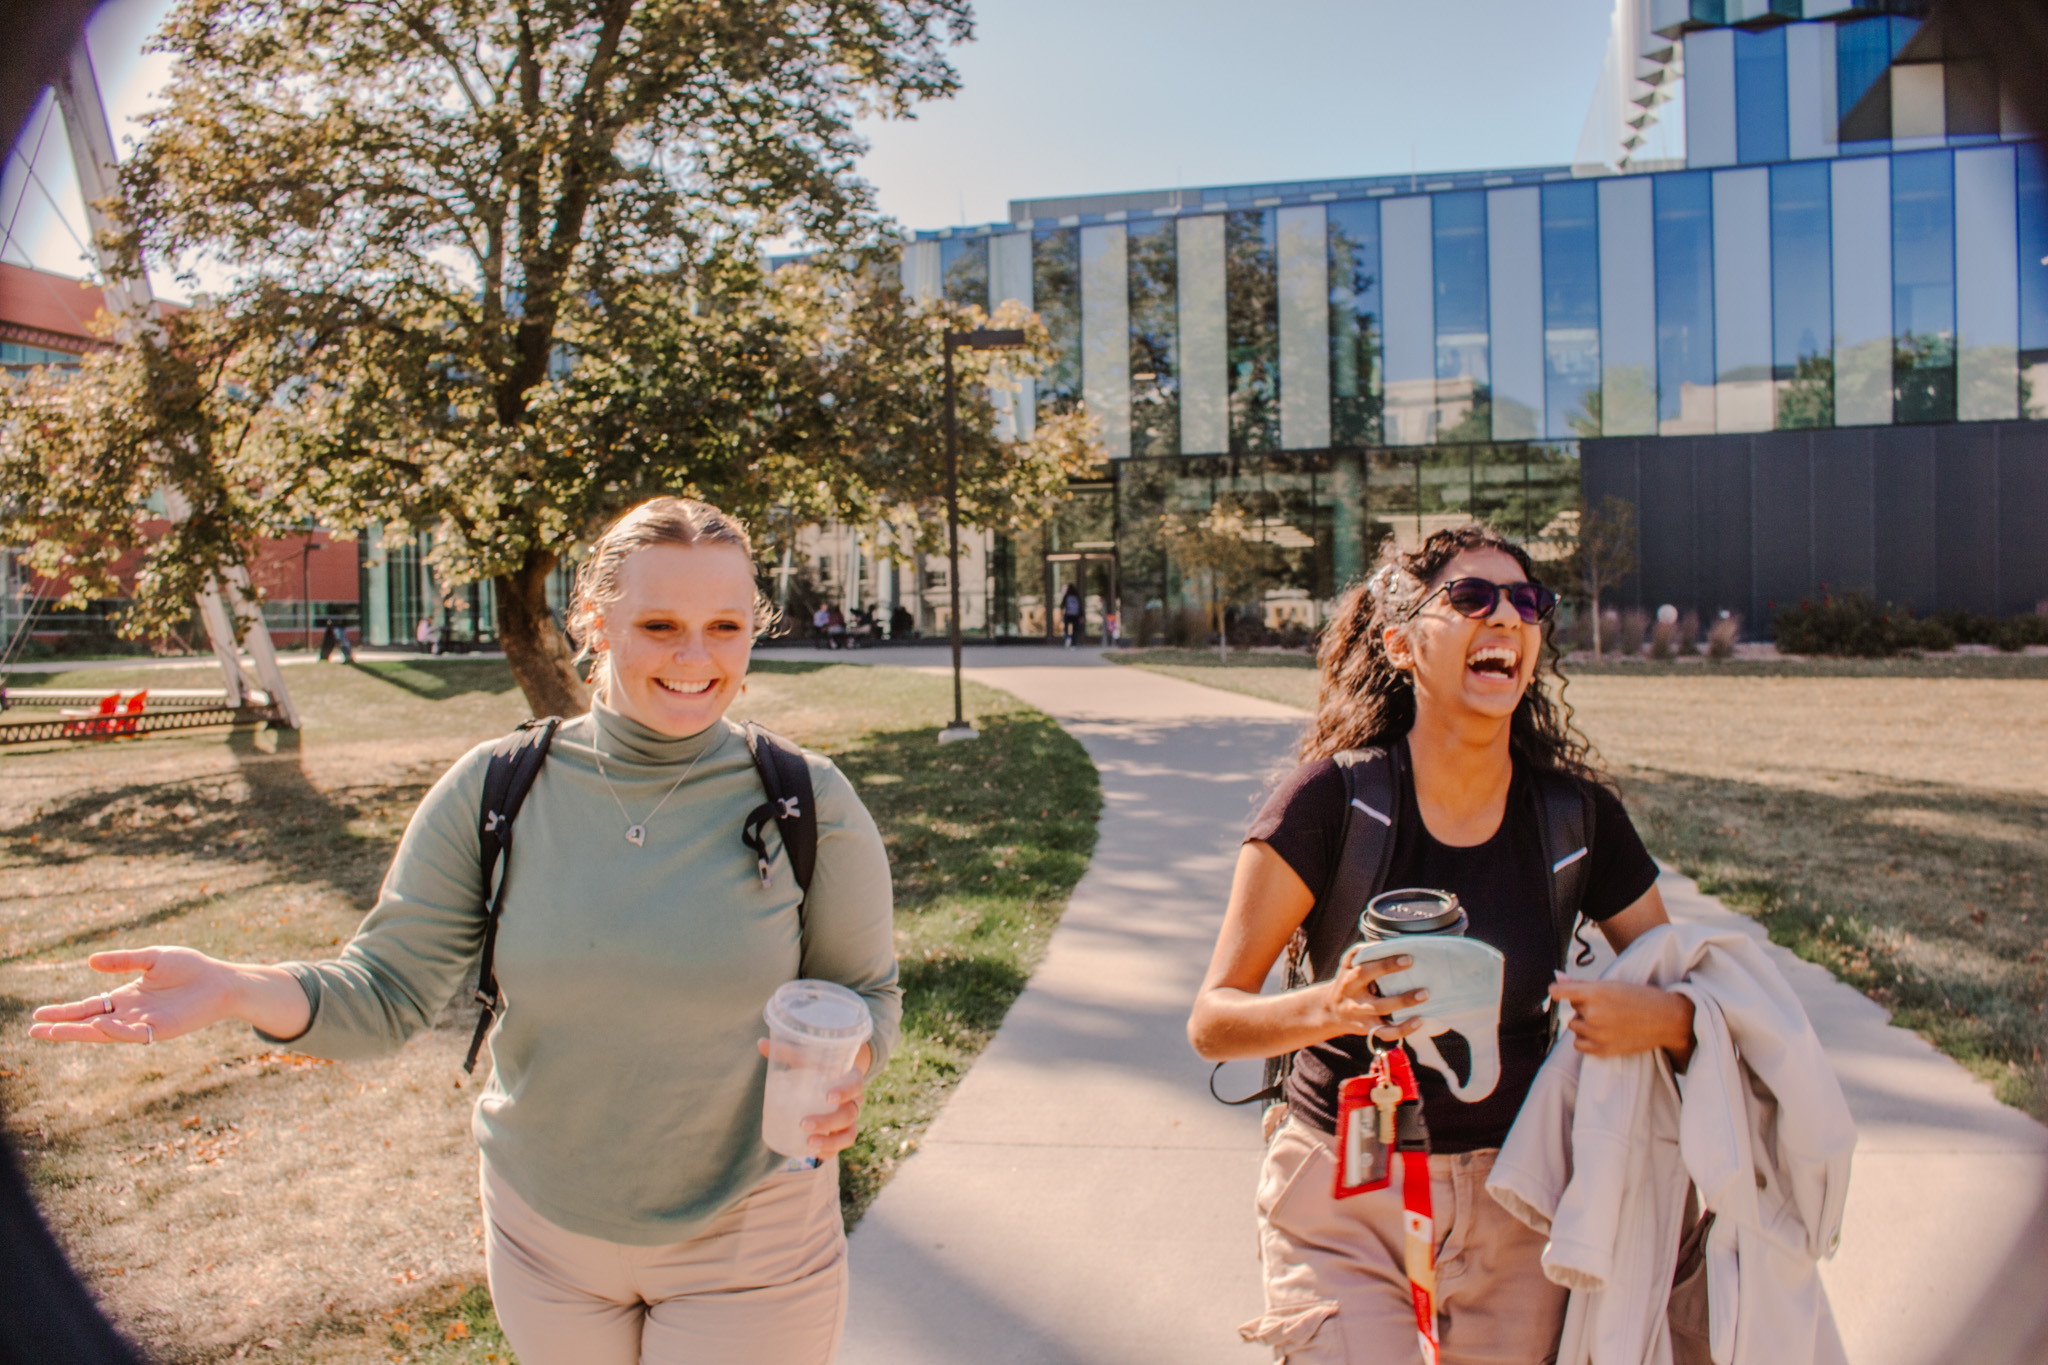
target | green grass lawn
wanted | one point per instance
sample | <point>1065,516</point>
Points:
<point>222,1195</point>
<point>1887,819</point>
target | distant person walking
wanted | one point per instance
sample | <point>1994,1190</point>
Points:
<point>1111,627</point>
<point>1071,613</point>
<point>632,1213</point>
<point>336,637</point>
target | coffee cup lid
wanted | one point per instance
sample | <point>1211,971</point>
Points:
<point>823,1010</point>
<point>1413,910</point>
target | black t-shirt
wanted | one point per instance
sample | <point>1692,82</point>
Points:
<point>1503,885</point>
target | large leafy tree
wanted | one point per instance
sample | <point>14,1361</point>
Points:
<point>493,271</point>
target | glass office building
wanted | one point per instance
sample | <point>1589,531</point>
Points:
<point>1813,350</point>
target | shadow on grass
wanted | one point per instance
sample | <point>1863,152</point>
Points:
<point>440,681</point>
<point>777,664</point>
<point>282,822</point>
<point>1930,899</point>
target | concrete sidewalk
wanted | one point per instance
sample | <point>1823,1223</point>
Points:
<point>1082,1199</point>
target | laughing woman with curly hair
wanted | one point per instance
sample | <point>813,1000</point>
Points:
<point>1438,662</point>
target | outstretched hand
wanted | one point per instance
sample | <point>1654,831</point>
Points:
<point>1621,1019</point>
<point>179,991</point>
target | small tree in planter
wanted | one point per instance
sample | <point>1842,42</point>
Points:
<point>1222,546</point>
<point>1603,552</point>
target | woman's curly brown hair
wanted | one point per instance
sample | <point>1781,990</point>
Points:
<point>1366,702</point>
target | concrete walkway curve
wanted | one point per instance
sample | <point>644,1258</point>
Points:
<point>1081,1199</point>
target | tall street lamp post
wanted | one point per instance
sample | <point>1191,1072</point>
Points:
<point>980,339</point>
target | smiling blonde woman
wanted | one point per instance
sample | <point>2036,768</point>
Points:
<point>632,1212</point>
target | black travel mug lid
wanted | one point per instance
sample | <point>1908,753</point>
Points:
<point>1412,910</point>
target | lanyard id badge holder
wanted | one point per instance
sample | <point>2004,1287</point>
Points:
<point>1379,1118</point>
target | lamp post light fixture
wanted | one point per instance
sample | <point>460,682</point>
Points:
<point>980,339</point>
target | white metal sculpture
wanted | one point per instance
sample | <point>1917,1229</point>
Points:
<point>92,153</point>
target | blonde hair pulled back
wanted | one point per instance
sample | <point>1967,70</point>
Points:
<point>658,521</point>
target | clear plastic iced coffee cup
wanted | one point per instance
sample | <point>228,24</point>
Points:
<point>815,1029</point>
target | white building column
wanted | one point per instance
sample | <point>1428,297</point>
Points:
<point>1204,336</point>
<point>1408,296</point>
<point>1106,333</point>
<point>1304,271</point>
<point>1009,278</point>
<point>1987,285</point>
<point>1860,193</point>
<point>1514,281</point>
<point>1743,393</point>
<point>1628,309</point>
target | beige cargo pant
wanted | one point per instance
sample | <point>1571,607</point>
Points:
<point>765,1282</point>
<point>1336,1289</point>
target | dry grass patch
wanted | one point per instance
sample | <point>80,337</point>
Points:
<point>226,1197</point>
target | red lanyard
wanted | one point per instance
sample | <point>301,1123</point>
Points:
<point>1384,1103</point>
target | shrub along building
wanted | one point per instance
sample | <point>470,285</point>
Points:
<point>1813,350</point>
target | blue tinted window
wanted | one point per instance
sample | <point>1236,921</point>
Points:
<point>1685,300</point>
<point>2033,190</point>
<point>1355,392</point>
<point>1056,298</point>
<point>1571,309</point>
<point>1251,299</point>
<point>1802,296</point>
<point>1155,339</point>
<point>1458,231</point>
<point>1923,288</point>
<point>963,266</point>
<point>1863,53</point>
<point>1762,130</point>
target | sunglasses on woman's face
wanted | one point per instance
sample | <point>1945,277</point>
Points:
<point>1475,598</point>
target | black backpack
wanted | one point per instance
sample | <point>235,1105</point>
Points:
<point>515,762</point>
<point>1373,781</point>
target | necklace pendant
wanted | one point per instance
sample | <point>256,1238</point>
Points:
<point>636,835</point>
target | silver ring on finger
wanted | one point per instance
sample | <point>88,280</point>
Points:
<point>106,1003</point>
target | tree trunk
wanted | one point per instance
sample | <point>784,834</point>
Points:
<point>1596,618</point>
<point>1222,635</point>
<point>534,645</point>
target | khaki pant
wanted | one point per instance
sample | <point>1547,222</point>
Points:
<point>766,1281</point>
<point>1336,1289</point>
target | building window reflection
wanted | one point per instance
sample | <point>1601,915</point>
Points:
<point>1571,310</point>
<point>1802,297</point>
<point>1463,380</point>
<point>1685,303</point>
<point>1355,379</point>
<point>1056,298</point>
<point>1252,304</point>
<point>1762,130</point>
<point>2033,233</point>
<point>1923,288</point>
<point>963,270</point>
<point>1155,339</point>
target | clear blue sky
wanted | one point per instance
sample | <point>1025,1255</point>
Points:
<point>1067,97</point>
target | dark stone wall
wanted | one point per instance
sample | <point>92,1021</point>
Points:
<point>1933,517</point>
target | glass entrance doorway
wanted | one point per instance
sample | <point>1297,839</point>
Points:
<point>1091,573</point>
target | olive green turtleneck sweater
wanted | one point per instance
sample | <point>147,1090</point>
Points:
<point>625,1097</point>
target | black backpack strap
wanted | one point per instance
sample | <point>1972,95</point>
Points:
<point>1372,793</point>
<point>1564,821</point>
<point>515,762</point>
<point>791,804</point>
